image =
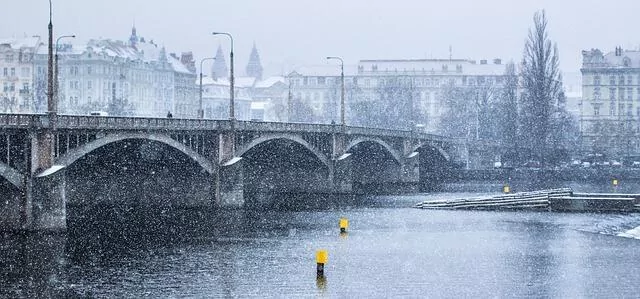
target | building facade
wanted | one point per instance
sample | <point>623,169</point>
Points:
<point>17,74</point>
<point>425,79</point>
<point>122,78</point>
<point>610,108</point>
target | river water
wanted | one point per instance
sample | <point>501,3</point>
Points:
<point>390,250</point>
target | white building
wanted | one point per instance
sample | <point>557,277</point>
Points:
<point>16,77</point>
<point>137,78</point>
<point>216,97</point>
<point>319,86</point>
<point>610,115</point>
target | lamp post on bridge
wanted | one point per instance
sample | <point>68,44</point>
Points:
<point>55,75</point>
<point>231,79</point>
<point>342,122</point>
<point>50,101</point>
<point>200,110</point>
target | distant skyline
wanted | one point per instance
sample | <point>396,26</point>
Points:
<point>290,34</point>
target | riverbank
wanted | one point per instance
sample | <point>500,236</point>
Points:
<point>561,199</point>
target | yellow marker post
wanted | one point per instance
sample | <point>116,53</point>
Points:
<point>321,258</point>
<point>506,189</point>
<point>344,224</point>
<point>614,182</point>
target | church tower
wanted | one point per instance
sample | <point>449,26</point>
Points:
<point>219,68</point>
<point>254,67</point>
<point>133,39</point>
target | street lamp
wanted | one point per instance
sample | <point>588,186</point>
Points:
<point>200,110</point>
<point>342,88</point>
<point>231,91</point>
<point>55,75</point>
<point>50,105</point>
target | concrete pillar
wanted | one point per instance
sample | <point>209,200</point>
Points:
<point>433,169</point>
<point>47,195</point>
<point>342,175</point>
<point>230,184</point>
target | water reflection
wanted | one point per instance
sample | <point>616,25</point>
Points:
<point>390,250</point>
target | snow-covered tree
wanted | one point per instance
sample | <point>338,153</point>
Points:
<point>541,85</point>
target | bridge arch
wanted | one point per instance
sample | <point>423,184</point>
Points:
<point>262,139</point>
<point>77,153</point>
<point>438,149</point>
<point>394,153</point>
<point>12,175</point>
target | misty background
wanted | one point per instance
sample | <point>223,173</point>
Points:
<point>291,34</point>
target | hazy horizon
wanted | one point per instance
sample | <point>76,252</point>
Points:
<point>289,34</point>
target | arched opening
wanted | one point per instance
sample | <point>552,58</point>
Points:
<point>11,205</point>
<point>136,190</point>
<point>375,169</point>
<point>434,168</point>
<point>279,170</point>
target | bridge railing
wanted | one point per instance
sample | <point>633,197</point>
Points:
<point>177,124</point>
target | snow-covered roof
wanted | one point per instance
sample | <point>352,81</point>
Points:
<point>626,59</point>
<point>241,82</point>
<point>147,52</point>
<point>268,82</point>
<point>331,69</point>
<point>18,43</point>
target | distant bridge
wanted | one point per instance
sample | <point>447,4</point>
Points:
<point>234,156</point>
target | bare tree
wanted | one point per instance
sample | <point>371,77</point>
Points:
<point>506,113</point>
<point>541,87</point>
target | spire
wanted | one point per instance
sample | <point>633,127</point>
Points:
<point>133,39</point>
<point>219,68</point>
<point>254,67</point>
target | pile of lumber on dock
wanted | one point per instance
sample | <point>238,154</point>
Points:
<point>562,199</point>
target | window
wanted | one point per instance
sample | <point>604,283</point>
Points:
<point>629,93</point>
<point>596,93</point>
<point>629,79</point>
<point>89,84</point>
<point>621,82</point>
<point>13,72</point>
<point>612,93</point>
<point>321,80</point>
<point>25,86</point>
<point>9,57</point>
<point>596,80</point>
<point>629,109</point>
<point>612,80</point>
<point>596,110</point>
<point>612,108</point>
<point>5,86</point>
<point>89,70</point>
<point>621,91</point>
<point>12,86</point>
<point>5,72</point>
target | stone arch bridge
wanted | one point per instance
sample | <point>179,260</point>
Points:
<point>239,158</point>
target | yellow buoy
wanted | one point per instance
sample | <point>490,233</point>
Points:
<point>344,224</point>
<point>321,258</point>
<point>615,182</point>
<point>506,189</point>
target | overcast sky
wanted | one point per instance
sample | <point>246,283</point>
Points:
<point>296,32</point>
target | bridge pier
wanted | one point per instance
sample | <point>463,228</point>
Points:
<point>342,177</point>
<point>47,197</point>
<point>230,184</point>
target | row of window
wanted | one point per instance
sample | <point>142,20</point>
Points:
<point>620,111</point>
<point>619,93</point>
<point>466,80</point>
<point>24,72</point>
<point>616,80</point>
<point>11,86</point>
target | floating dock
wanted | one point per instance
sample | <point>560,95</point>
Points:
<point>562,199</point>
